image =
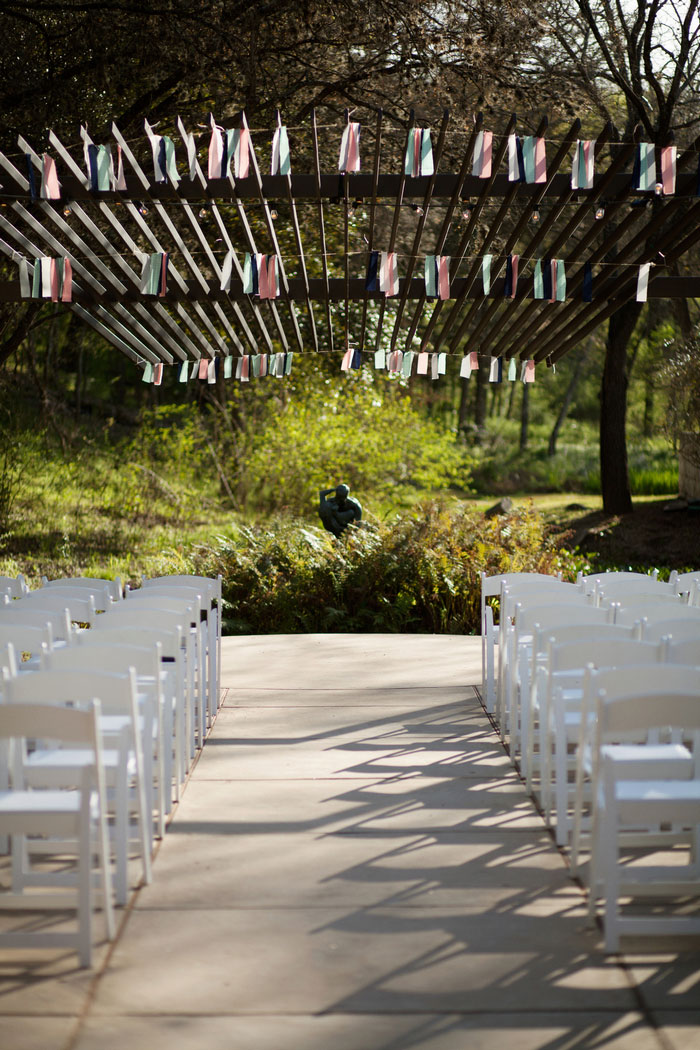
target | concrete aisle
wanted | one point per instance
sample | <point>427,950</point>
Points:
<point>354,865</point>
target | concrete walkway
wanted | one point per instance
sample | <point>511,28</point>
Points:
<point>354,866</point>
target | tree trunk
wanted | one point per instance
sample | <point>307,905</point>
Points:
<point>480,407</point>
<point>566,403</point>
<point>524,416</point>
<point>614,475</point>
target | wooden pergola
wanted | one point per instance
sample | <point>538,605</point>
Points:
<point>206,311</point>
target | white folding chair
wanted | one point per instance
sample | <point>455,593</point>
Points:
<point>133,614</point>
<point>27,615</point>
<point>561,689</point>
<point>75,815</point>
<point>122,756</point>
<point>16,586</point>
<point>595,579</point>
<point>656,703</point>
<point>687,583</point>
<point>656,607</point>
<point>99,592</point>
<point>27,641</point>
<point>81,607</point>
<point>557,634</point>
<point>211,587</point>
<point>90,583</point>
<point>679,628</point>
<point>173,688</point>
<point>173,599</point>
<point>640,755</point>
<point>117,659</point>
<point>569,607</point>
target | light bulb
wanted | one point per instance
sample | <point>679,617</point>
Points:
<point>600,212</point>
<point>202,213</point>
<point>467,214</point>
<point>273,213</point>
<point>535,214</point>
<point>143,210</point>
<point>67,210</point>
<point>659,188</point>
<point>417,209</point>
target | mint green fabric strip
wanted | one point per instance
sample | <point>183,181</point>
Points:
<point>426,154</point>
<point>529,158</point>
<point>36,280</point>
<point>380,359</point>
<point>537,290</point>
<point>512,374</point>
<point>430,276</point>
<point>407,363</point>
<point>288,365</point>
<point>582,174</point>
<point>25,289</point>
<point>233,136</point>
<point>285,161</point>
<point>103,167</point>
<point>486,273</point>
<point>184,371</point>
<point>228,367</point>
<point>170,165</point>
<point>255,361</point>
<point>147,376</point>
<point>154,268</point>
<point>248,274</point>
<point>561,281</point>
<point>408,161</point>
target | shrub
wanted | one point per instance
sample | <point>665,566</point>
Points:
<point>416,573</point>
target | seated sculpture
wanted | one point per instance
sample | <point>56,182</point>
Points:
<point>340,510</point>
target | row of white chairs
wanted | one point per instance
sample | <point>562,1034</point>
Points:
<point>150,661</point>
<point>542,684</point>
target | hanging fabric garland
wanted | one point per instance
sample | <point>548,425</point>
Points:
<point>372,278</point>
<point>534,159</point>
<point>50,186</point>
<point>643,282</point>
<point>496,370</point>
<point>281,161</point>
<point>349,159</point>
<point>510,285</point>
<point>388,273</point>
<point>481,164</point>
<point>587,293</point>
<point>644,175</point>
<point>668,170</point>
<point>419,153</point>
<point>516,164</point>
<point>486,273</point>
<point>583,165</point>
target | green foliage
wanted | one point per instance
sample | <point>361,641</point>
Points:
<point>416,573</point>
<point>360,430</point>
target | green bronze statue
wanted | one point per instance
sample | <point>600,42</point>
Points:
<point>339,511</point>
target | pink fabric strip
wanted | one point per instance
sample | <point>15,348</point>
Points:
<point>393,274</point>
<point>423,361</point>
<point>488,149</point>
<point>263,287</point>
<point>243,158</point>
<point>553,268</point>
<point>263,364</point>
<point>216,153</point>
<point>473,360</point>
<point>158,374</point>
<point>417,136</point>
<point>347,358</point>
<point>668,169</point>
<point>203,368</point>
<point>529,372</point>
<point>443,276</point>
<point>353,147</point>
<point>245,368</point>
<point>51,186</point>
<point>588,160</point>
<point>514,263</point>
<point>272,282</point>
<point>540,161</point>
<point>54,281</point>
<point>67,296</point>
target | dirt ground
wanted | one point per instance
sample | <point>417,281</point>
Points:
<point>650,536</point>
